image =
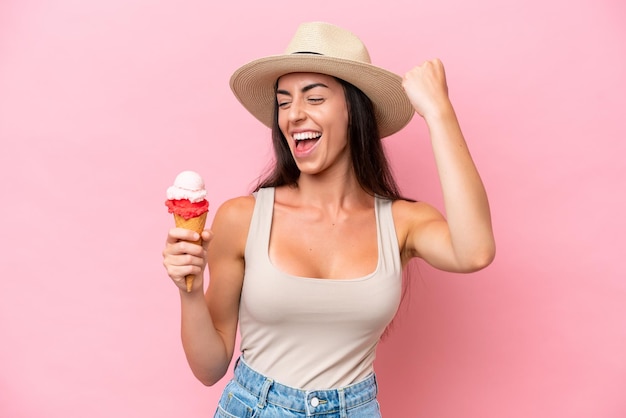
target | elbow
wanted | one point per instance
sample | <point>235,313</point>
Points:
<point>484,261</point>
<point>208,380</point>
<point>210,369</point>
<point>479,260</point>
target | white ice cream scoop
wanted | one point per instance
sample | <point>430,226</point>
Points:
<point>187,185</point>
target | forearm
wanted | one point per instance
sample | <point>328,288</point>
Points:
<point>204,347</point>
<point>465,198</point>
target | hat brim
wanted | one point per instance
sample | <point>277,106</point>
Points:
<point>253,84</point>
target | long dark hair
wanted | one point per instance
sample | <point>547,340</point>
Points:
<point>368,156</point>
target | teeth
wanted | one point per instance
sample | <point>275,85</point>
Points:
<point>301,136</point>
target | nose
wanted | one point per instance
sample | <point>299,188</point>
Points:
<point>296,112</point>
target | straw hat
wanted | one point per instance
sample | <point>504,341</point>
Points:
<point>319,47</point>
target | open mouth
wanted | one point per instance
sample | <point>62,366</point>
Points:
<point>306,140</point>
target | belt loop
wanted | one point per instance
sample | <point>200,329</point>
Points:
<point>264,391</point>
<point>375,385</point>
<point>343,412</point>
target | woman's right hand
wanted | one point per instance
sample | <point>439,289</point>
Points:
<point>182,256</point>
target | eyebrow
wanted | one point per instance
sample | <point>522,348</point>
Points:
<point>304,89</point>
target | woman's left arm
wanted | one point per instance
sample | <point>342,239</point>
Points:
<point>464,240</point>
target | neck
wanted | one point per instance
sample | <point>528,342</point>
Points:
<point>333,191</point>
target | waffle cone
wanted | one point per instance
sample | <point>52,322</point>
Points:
<point>194,224</point>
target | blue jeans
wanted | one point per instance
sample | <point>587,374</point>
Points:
<point>251,395</point>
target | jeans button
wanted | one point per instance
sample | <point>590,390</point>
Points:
<point>314,402</point>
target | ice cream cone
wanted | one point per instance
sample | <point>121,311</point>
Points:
<point>194,224</point>
<point>186,199</point>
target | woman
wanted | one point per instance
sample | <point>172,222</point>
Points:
<point>310,266</point>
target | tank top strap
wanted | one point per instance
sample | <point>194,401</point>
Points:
<point>261,222</point>
<point>389,251</point>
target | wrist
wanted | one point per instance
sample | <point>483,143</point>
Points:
<point>195,293</point>
<point>441,113</point>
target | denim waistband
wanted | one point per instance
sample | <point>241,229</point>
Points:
<point>310,402</point>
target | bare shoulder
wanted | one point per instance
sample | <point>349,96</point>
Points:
<point>232,221</point>
<point>405,212</point>
<point>410,219</point>
<point>235,213</point>
<point>236,209</point>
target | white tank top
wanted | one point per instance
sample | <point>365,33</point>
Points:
<point>313,333</point>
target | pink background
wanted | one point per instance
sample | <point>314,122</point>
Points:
<point>103,102</point>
